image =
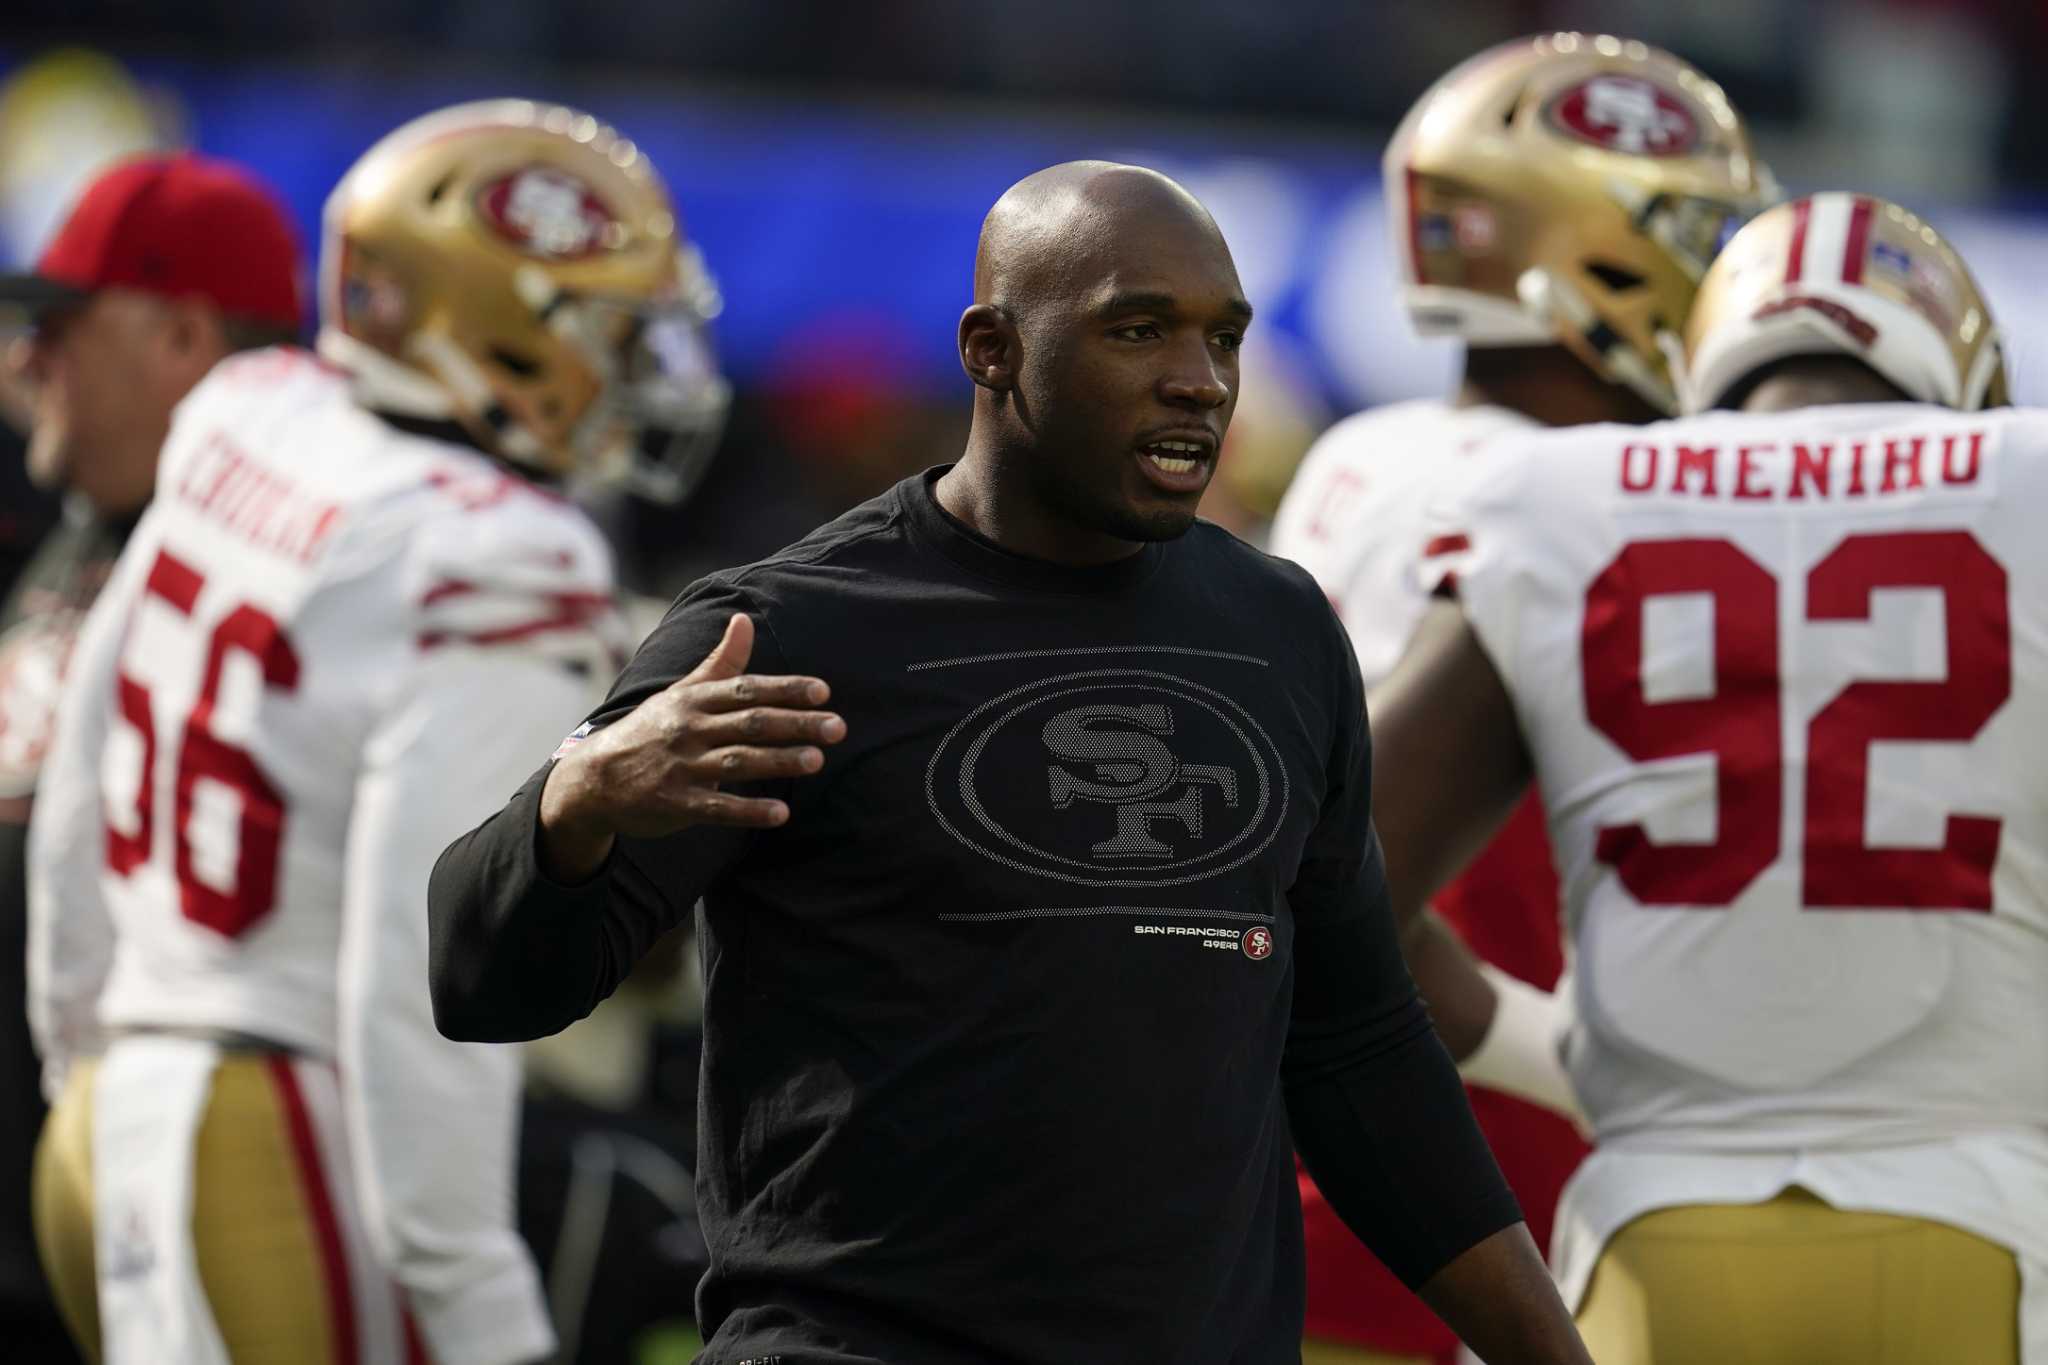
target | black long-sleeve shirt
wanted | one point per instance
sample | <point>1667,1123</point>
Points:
<point>999,1025</point>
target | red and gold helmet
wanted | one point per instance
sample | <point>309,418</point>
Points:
<point>518,268</point>
<point>1569,190</point>
<point>1844,274</point>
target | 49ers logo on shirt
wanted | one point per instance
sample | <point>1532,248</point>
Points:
<point>1626,114</point>
<point>1257,943</point>
<point>548,213</point>
<point>1114,777</point>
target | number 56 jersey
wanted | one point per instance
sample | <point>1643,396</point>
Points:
<point>328,648</point>
<point>1784,678</point>
<point>320,623</point>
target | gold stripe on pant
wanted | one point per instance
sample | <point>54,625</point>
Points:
<point>254,1232</point>
<point>61,1199</point>
<point>1795,1281</point>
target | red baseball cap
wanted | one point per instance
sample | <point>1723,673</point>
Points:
<point>178,226</point>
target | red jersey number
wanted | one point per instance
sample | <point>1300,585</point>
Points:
<point>204,755</point>
<point>1740,723</point>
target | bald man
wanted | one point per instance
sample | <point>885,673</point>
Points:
<point>1022,957</point>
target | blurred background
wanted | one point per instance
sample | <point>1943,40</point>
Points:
<point>833,160</point>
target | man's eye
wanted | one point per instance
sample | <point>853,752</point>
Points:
<point>1230,341</point>
<point>1138,331</point>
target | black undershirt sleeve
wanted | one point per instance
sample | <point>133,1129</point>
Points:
<point>515,956</point>
<point>1379,1115</point>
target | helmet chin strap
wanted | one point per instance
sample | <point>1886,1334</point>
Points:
<point>458,375</point>
<point>445,386</point>
<point>472,398</point>
<point>1564,311</point>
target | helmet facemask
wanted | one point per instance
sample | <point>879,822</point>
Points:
<point>661,400</point>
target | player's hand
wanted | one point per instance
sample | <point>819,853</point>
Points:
<point>662,767</point>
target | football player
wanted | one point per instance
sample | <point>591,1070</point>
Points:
<point>1773,666</point>
<point>354,609</point>
<point>1556,201</point>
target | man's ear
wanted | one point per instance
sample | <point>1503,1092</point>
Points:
<point>989,347</point>
<point>198,333</point>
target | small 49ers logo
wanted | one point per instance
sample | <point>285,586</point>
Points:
<point>1257,943</point>
<point>547,212</point>
<point>1626,114</point>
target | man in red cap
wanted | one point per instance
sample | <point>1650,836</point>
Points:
<point>166,265</point>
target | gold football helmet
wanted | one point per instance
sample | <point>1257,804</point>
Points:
<point>1569,190</point>
<point>1846,274</point>
<point>518,268</point>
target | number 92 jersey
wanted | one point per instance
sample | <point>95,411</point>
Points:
<point>1782,677</point>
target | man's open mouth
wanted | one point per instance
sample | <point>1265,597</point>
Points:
<point>1175,457</point>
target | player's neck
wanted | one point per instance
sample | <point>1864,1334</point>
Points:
<point>1546,384</point>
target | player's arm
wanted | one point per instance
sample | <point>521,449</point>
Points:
<point>70,932</point>
<point>1378,1113</point>
<point>1449,762</point>
<point>542,910</point>
<point>432,1123</point>
<point>1451,767</point>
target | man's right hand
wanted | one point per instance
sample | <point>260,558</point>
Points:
<point>659,768</point>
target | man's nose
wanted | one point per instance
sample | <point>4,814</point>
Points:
<point>1195,380</point>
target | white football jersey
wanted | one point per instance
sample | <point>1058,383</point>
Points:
<point>1354,516</point>
<point>1783,677</point>
<point>329,648</point>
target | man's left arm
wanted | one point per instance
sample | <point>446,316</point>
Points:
<point>1378,1111</point>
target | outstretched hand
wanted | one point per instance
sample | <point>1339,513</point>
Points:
<point>661,768</point>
